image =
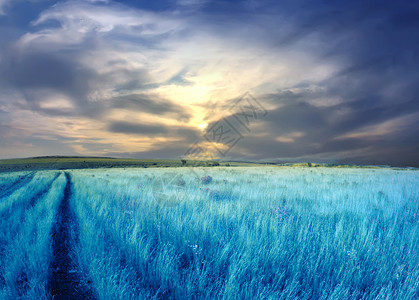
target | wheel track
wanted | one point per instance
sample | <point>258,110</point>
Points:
<point>42,193</point>
<point>30,203</point>
<point>65,280</point>
<point>20,182</point>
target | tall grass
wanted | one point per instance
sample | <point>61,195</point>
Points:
<point>27,194</point>
<point>25,239</point>
<point>252,233</point>
<point>7,180</point>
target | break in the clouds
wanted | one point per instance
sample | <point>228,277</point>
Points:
<point>144,78</point>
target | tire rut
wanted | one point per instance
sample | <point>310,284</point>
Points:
<point>66,281</point>
<point>30,203</point>
<point>42,193</point>
<point>20,182</point>
<point>21,282</point>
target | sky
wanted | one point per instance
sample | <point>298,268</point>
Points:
<point>285,80</point>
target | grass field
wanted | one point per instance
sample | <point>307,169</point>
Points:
<point>63,163</point>
<point>261,232</point>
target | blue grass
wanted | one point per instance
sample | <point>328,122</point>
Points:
<point>264,233</point>
<point>249,233</point>
<point>25,241</point>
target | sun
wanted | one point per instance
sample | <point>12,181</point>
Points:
<point>202,126</point>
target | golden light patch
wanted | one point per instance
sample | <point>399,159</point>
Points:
<point>289,138</point>
<point>204,151</point>
<point>60,104</point>
<point>202,126</point>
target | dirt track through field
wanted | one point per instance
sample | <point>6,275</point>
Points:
<point>5,215</point>
<point>30,203</point>
<point>42,193</point>
<point>20,182</point>
<point>66,280</point>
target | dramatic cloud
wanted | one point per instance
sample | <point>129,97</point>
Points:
<point>338,79</point>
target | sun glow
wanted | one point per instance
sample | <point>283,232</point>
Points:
<point>202,126</point>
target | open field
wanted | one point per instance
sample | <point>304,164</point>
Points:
<point>263,232</point>
<point>64,163</point>
<point>70,162</point>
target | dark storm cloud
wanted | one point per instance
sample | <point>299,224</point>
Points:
<point>150,104</point>
<point>296,113</point>
<point>186,133</point>
<point>34,73</point>
<point>379,41</point>
<point>61,73</point>
<point>46,70</point>
<point>323,129</point>
<point>372,35</point>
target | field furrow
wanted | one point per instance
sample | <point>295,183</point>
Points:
<point>27,195</point>
<point>8,188</point>
<point>26,247</point>
<point>41,193</point>
<point>66,280</point>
